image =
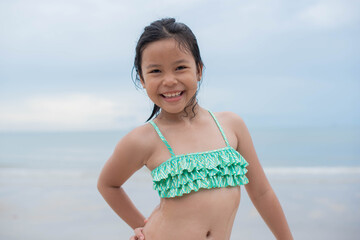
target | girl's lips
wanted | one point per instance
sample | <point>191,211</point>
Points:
<point>173,96</point>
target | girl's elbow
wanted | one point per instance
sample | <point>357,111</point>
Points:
<point>102,186</point>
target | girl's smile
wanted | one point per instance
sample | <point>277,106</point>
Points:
<point>172,96</point>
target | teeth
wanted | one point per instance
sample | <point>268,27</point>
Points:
<point>175,94</point>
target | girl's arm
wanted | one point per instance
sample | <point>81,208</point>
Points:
<point>129,156</point>
<point>259,188</point>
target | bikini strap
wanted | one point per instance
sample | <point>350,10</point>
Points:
<point>162,138</point>
<point>220,128</point>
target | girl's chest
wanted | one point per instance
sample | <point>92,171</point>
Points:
<point>187,143</point>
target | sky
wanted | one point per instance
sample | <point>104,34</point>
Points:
<point>66,65</point>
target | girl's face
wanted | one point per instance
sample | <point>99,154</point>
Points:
<point>169,75</point>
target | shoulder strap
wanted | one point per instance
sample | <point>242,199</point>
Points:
<point>162,138</point>
<point>220,128</point>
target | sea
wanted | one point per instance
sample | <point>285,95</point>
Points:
<point>275,147</point>
<point>48,184</point>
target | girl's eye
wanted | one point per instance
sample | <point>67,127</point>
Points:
<point>180,68</point>
<point>155,71</point>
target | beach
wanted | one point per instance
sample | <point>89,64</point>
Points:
<point>319,203</point>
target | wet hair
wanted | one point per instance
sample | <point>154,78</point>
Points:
<point>167,28</point>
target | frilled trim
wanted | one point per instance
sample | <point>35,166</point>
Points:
<point>190,172</point>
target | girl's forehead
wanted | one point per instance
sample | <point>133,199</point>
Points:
<point>165,48</point>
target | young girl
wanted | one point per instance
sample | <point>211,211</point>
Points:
<point>198,159</point>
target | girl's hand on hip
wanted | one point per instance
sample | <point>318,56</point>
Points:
<point>138,233</point>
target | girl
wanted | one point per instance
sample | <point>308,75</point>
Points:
<point>198,159</point>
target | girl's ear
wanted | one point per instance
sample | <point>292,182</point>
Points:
<point>142,82</point>
<point>199,71</point>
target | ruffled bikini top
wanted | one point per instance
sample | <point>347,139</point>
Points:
<point>184,173</point>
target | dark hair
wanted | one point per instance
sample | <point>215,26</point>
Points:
<point>163,29</point>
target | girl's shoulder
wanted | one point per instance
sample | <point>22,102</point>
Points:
<point>141,133</point>
<point>139,141</point>
<point>229,118</point>
<point>233,122</point>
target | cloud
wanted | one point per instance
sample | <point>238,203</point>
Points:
<point>265,95</point>
<point>328,14</point>
<point>75,30</point>
<point>67,31</point>
<point>91,45</point>
<point>73,111</point>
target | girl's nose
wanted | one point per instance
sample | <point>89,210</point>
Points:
<point>169,80</point>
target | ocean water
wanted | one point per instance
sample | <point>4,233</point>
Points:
<point>276,147</point>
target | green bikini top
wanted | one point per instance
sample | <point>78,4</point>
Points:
<point>184,173</point>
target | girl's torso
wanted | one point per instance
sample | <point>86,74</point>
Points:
<point>206,214</point>
<point>203,215</point>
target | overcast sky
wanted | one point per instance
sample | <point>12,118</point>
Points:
<point>66,65</point>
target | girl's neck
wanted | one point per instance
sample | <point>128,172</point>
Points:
<point>189,114</point>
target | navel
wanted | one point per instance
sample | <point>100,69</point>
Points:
<point>208,234</point>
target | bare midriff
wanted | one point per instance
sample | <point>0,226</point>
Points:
<point>204,215</point>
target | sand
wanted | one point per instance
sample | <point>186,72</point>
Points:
<point>320,203</point>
